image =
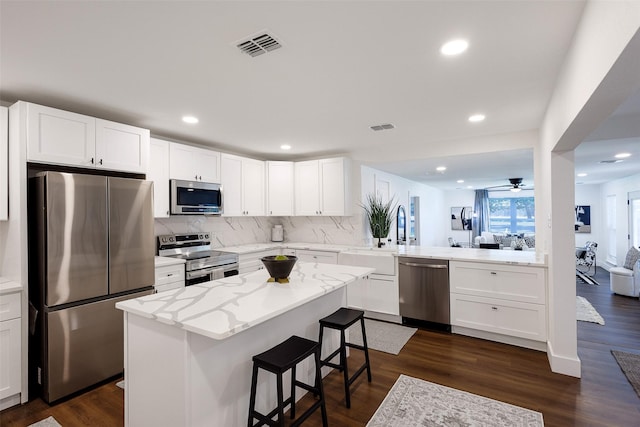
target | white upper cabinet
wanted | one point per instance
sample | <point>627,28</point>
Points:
<point>193,164</point>
<point>243,186</point>
<point>4,163</point>
<point>158,172</point>
<point>280,188</point>
<point>61,137</point>
<point>307,188</point>
<point>121,147</point>
<point>322,187</point>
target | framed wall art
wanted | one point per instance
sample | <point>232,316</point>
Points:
<point>461,218</point>
<point>583,219</point>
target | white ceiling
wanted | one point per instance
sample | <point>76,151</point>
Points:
<point>343,67</point>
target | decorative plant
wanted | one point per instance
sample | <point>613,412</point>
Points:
<point>380,216</point>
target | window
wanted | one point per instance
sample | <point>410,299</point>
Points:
<point>511,214</point>
<point>634,218</point>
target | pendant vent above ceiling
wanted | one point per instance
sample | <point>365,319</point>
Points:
<point>258,45</point>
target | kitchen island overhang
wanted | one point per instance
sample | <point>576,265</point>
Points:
<point>188,352</point>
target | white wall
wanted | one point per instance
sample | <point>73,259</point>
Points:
<point>620,188</point>
<point>433,211</point>
<point>600,71</point>
<point>589,195</point>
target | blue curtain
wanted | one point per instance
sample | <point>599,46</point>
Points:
<point>481,213</point>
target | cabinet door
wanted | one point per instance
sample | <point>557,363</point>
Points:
<point>382,295</point>
<point>121,147</point>
<point>231,180</point>
<point>253,187</point>
<point>307,188</point>
<point>332,187</point>
<point>181,162</point>
<point>280,188</point>
<point>317,256</point>
<point>357,294</point>
<point>208,165</point>
<point>158,172</point>
<point>60,137</point>
<point>10,355</point>
<point>4,163</point>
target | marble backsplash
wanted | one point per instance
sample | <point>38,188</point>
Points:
<point>233,231</point>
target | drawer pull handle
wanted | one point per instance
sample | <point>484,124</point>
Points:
<point>494,273</point>
<point>170,274</point>
<point>494,308</point>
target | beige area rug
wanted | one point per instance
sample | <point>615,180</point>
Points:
<point>412,402</point>
<point>382,336</point>
<point>586,313</point>
<point>47,422</point>
<point>630,365</point>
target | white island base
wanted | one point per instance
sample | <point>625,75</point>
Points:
<point>178,377</point>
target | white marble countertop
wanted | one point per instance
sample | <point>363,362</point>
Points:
<point>224,307</point>
<point>454,254</point>
<point>494,256</point>
<point>162,261</point>
<point>8,286</point>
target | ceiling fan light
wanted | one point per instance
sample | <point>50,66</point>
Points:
<point>516,189</point>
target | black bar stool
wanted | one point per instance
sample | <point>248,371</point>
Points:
<point>278,360</point>
<point>341,320</point>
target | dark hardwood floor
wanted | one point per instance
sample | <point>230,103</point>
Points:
<point>603,397</point>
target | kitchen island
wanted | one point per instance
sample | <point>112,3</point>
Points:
<point>188,351</point>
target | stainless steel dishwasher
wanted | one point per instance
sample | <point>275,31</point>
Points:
<point>424,290</point>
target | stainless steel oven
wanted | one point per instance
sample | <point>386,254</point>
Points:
<point>203,264</point>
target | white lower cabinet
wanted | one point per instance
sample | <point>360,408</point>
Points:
<point>505,317</point>
<point>10,346</point>
<point>169,277</point>
<point>251,261</point>
<point>323,257</point>
<point>504,299</point>
<point>382,295</point>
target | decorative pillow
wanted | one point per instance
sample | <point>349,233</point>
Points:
<point>497,238</point>
<point>632,257</point>
<point>530,241</point>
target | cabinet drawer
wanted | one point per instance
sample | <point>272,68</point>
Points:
<point>169,274</point>
<point>169,286</point>
<point>514,283</point>
<point>503,317</point>
<point>317,256</point>
<point>10,306</point>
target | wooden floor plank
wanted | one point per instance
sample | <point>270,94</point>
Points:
<point>602,397</point>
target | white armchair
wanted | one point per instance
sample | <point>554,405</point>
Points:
<point>625,281</point>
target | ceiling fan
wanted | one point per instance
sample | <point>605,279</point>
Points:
<point>515,185</point>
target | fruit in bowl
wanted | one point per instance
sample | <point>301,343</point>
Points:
<point>279,267</point>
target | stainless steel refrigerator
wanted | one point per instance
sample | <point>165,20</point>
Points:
<point>91,245</point>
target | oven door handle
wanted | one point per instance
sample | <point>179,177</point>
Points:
<point>218,273</point>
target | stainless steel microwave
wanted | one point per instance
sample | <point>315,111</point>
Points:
<point>195,198</point>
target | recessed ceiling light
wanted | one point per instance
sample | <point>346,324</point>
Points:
<point>582,174</point>
<point>190,119</point>
<point>460,181</point>
<point>285,147</point>
<point>469,186</point>
<point>476,118</point>
<point>622,155</point>
<point>454,47</point>
<point>441,168</point>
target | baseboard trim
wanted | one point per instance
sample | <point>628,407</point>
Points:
<point>571,366</point>
<point>10,401</point>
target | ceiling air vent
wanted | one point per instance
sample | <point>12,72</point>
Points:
<point>259,44</point>
<point>382,127</point>
<point>610,161</point>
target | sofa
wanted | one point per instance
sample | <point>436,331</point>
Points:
<point>507,241</point>
<point>625,280</point>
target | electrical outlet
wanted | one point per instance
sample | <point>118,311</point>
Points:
<point>39,375</point>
